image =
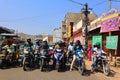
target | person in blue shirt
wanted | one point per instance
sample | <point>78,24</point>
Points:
<point>70,50</point>
<point>77,46</point>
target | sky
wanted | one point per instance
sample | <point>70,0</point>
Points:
<point>42,16</point>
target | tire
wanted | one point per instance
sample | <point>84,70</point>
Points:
<point>41,64</point>
<point>24,67</point>
<point>106,69</point>
<point>82,68</point>
<point>57,67</point>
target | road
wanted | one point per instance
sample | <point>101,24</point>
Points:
<point>19,74</point>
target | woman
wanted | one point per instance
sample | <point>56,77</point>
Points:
<point>76,47</point>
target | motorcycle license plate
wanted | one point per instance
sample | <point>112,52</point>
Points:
<point>19,60</point>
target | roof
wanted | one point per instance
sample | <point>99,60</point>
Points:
<point>6,30</point>
<point>11,35</point>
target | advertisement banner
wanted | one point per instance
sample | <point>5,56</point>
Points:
<point>110,21</point>
<point>111,42</point>
<point>97,39</point>
<point>110,25</point>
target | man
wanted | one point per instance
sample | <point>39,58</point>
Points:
<point>29,45</point>
<point>97,51</point>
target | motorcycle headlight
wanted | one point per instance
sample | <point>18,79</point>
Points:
<point>104,57</point>
<point>81,55</point>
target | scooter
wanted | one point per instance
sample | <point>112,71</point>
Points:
<point>58,59</point>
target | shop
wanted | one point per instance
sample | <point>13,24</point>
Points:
<point>107,26</point>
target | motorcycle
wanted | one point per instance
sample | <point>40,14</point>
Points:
<point>58,59</point>
<point>36,57</point>
<point>44,63</point>
<point>27,61</point>
<point>3,58</point>
<point>101,64</point>
<point>79,62</point>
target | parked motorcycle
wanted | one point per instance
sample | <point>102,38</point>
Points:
<point>28,60</point>
<point>79,62</point>
<point>102,64</point>
<point>58,59</point>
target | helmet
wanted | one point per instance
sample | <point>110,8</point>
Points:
<point>97,44</point>
<point>78,42</point>
<point>29,39</point>
<point>60,42</point>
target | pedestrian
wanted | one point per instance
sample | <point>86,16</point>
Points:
<point>89,51</point>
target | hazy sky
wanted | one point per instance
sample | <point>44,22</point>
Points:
<point>42,16</point>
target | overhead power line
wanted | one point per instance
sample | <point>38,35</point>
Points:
<point>77,2</point>
<point>99,3</point>
<point>115,0</point>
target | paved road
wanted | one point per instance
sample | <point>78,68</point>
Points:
<point>19,74</point>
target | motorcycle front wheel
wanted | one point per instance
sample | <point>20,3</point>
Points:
<point>106,69</point>
<point>82,68</point>
<point>41,64</point>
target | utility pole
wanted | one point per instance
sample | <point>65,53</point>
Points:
<point>86,12</point>
<point>109,4</point>
<point>109,8</point>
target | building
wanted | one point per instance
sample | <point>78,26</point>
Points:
<point>69,17</point>
<point>110,29</point>
<point>79,28</point>
<point>49,39</point>
<point>57,34</point>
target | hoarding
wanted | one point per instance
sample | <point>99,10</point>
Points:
<point>111,42</point>
<point>110,25</point>
<point>110,21</point>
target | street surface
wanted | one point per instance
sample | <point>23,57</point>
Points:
<point>19,74</point>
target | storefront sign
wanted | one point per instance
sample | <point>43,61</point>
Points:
<point>97,39</point>
<point>110,21</point>
<point>110,25</point>
<point>111,42</point>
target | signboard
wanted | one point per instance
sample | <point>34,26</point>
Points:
<point>96,39</point>
<point>110,25</point>
<point>110,21</point>
<point>111,42</point>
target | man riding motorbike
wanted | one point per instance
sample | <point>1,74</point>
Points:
<point>70,50</point>
<point>10,50</point>
<point>29,45</point>
<point>77,46</point>
<point>59,56</point>
<point>37,48</point>
<point>97,51</point>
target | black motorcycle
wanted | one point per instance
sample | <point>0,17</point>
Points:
<point>44,60</point>
<point>28,60</point>
<point>5,58</point>
<point>36,58</point>
<point>102,65</point>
